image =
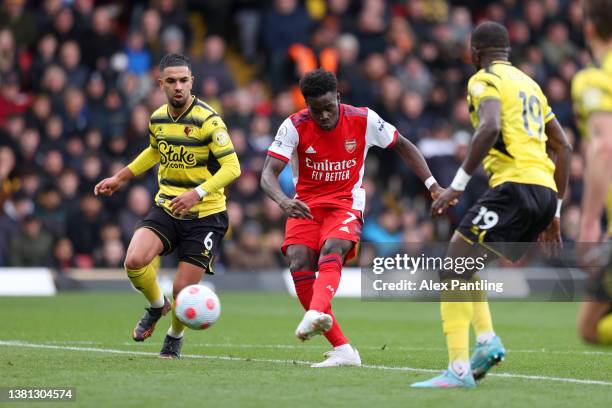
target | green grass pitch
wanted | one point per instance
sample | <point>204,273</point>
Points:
<point>251,358</point>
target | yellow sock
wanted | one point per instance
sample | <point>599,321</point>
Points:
<point>482,322</point>
<point>145,280</point>
<point>177,328</point>
<point>604,330</point>
<point>482,318</point>
<point>456,317</point>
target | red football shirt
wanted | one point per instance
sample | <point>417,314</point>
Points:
<point>328,165</point>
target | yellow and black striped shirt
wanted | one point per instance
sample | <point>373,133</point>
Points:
<point>591,93</point>
<point>192,150</point>
<point>519,155</point>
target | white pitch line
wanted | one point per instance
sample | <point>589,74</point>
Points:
<point>16,343</point>
<point>387,347</point>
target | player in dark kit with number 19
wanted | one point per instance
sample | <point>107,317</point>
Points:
<point>326,145</point>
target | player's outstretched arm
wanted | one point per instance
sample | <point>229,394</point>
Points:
<point>597,175</point>
<point>416,162</point>
<point>145,160</point>
<point>270,185</point>
<point>485,135</point>
<point>111,184</point>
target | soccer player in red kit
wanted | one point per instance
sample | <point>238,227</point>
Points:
<point>327,144</point>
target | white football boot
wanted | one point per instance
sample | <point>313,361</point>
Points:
<point>313,324</point>
<point>344,355</point>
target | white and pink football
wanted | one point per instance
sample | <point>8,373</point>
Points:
<point>198,307</point>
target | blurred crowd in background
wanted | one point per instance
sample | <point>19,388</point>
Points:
<point>78,83</point>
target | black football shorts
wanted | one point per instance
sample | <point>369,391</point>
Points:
<point>196,240</point>
<point>509,213</point>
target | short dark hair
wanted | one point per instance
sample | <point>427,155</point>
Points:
<point>600,14</point>
<point>174,60</point>
<point>490,36</point>
<point>317,83</point>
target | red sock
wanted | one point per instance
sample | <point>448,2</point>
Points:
<point>303,281</point>
<point>326,284</point>
<point>334,335</point>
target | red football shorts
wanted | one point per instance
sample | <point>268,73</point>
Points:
<point>333,222</point>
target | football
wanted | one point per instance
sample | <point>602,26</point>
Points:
<point>198,307</point>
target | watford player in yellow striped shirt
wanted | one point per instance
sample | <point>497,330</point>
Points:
<point>514,128</point>
<point>592,97</point>
<point>196,161</point>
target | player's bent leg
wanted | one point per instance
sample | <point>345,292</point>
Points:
<point>144,247</point>
<point>316,321</point>
<point>595,322</point>
<point>302,264</point>
<point>330,269</point>
<point>187,274</point>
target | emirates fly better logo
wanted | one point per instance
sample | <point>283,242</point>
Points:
<point>330,170</point>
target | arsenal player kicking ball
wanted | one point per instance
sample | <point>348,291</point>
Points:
<point>326,145</point>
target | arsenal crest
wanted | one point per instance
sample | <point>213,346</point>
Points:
<point>350,145</point>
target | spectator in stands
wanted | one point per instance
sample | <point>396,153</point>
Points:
<point>8,52</point>
<point>68,184</point>
<point>138,205</point>
<point>12,101</point>
<point>99,43</point>
<point>85,234</point>
<point>14,16</point>
<point>31,245</point>
<point>63,255</point>
<point>50,212</point>
<point>139,58</point>
<point>248,253</point>
<point>63,27</point>
<point>46,55</point>
<point>213,66</point>
<point>70,60</point>
<point>112,254</point>
<point>286,23</point>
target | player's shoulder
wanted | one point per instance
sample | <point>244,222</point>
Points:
<point>592,89</point>
<point>355,111</point>
<point>202,110</point>
<point>484,82</point>
<point>160,113</point>
<point>592,76</point>
<point>515,78</point>
<point>486,76</point>
<point>299,118</point>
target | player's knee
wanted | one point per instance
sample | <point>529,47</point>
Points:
<point>299,263</point>
<point>178,285</point>
<point>333,248</point>
<point>135,261</point>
